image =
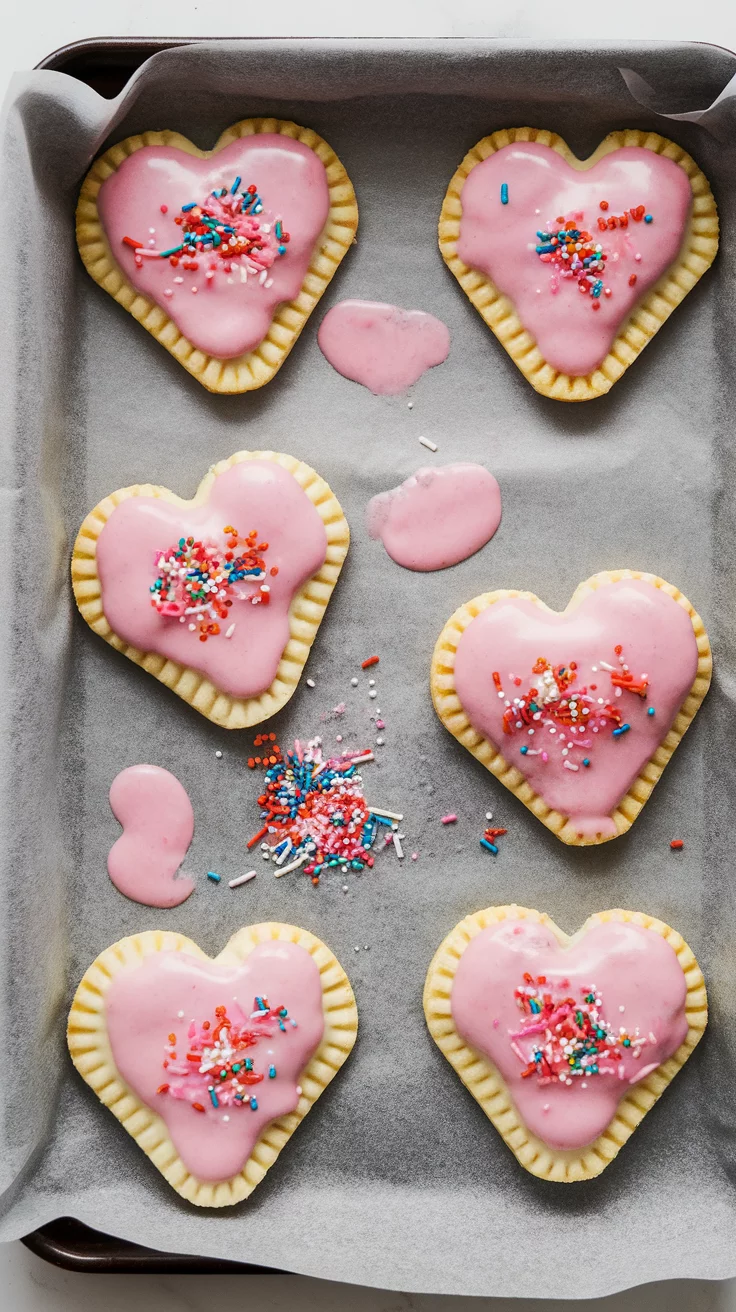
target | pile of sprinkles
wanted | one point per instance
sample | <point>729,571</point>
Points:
<point>315,816</point>
<point>196,581</point>
<point>567,716</point>
<point>215,1071</point>
<point>570,1039</point>
<point>572,253</point>
<point>227,233</point>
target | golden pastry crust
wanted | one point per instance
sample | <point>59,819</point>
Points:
<point>305,613</point>
<point>91,1053</point>
<point>450,710</point>
<point>254,368</point>
<point>698,252</point>
<point>488,1087</point>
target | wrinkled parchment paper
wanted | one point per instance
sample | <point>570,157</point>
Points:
<point>396,1178</point>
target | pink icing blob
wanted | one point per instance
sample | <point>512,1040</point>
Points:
<point>437,517</point>
<point>158,823</point>
<point>171,991</point>
<point>509,637</point>
<point>256,494</point>
<point>382,346</point>
<point>231,312</point>
<point>633,970</point>
<point>500,240</point>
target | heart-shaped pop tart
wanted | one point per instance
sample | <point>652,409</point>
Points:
<point>211,1064</point>
<point>575,264</point>
<point>566,1042</point>
<point>577,712</point>
<point>220,597</point>
<point>221,254</point>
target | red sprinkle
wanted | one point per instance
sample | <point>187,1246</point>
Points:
<point>130,241</point>
<point>632,279</point>
<point>372,660</point>
<point>677,844</point>
<point>164,209</point>
<point>604,204</point>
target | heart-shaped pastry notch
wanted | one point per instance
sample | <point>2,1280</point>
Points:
<point>211,1065</point>
<point>220,597</point>
<point>221,254</point>
<point>565,1042</point>
<point>526,227</point>
<point>578,712</point>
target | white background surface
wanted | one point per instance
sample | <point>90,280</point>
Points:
<point>29,32</point>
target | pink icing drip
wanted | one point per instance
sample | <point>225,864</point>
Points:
<point>224,318</point>
<point>631,968</point>
<point>252,494</point>
<point>143,1007</point>
<point>158,822</point>
<point>437,517</point>
<point>509,637</point>
<point>500,240</point>
<point>382,346</point>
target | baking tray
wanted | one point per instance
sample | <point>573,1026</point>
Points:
<point>106,66</point>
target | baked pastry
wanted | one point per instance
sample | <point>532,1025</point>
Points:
<point>566,1042</point>
<point>578,712</point>
<point>212,1065</point>
<point>221,254</point>
<point>220,597</point>
<point>576,264</point>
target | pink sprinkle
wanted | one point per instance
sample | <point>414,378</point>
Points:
<point>339,710</point>
<point>415,856</point>
<point>339,738</point>
<point>164,209</point>
<point>379,723</point>
<point>449,819</point>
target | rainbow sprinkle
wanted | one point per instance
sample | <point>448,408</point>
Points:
<point>570,1039</point>
<point>197,581</point>
<point>215,1071</point>
<point>572,253</point>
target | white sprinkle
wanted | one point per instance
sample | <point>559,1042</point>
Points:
<point>268,282</point>
<point>230,631</point>
<point>399,849</point>
<point>387,815</point>
<point>294,865</point>
<point>425,441</point>
<point>218,754</point>
<point>569,765</point>
<point>289,848</point>
<point>311,683</point>
<point>242,879</point>
<point>371,683</point>
<point>411,405</point>
<point>344,888</point>
<point>353,683</point>
<point>299,1089</point>
<point>168,293</point>
<point>380,742</point>
<point>262,277</point>
<point>489,815</point>
<point>180,1014</point>
<point>372,693</point>
<point>356,948</point>
<point>622,1009</point>
<point>356,760</point>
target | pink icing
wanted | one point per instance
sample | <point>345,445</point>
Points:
<point>382,346</point>
<point>437,517</point>
<point>256,494</point>
<point>231,311</point>
<point>158,823</point>
<point>173,993</point>
<point>501,239</point>
<point>507,639</point>
<point>641,990</point>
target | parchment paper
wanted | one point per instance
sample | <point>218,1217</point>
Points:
<point>396,1178</point>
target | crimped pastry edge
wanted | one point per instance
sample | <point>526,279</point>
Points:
<point>91,1053</point>
<point>450,710</point>
<point>254,368</point>
<point>306,612</point>
<point>485,1082</point>
<point>700,245</point>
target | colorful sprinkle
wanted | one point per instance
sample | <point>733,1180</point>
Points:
<point>197,582</point>
<point>573,254</point>
<point>677,844</point>
<point>372,660</point>
<point>215,1062</point>
<point>569,1038</point>
<point>215,878</point>
<point>504,193</point>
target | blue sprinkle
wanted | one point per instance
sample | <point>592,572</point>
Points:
<point>281,250</point>
<point>249,1063</point>
<point>647,218</point>
<point>215,878</point>
<point>586,761</point>
<point>191,206</point>
<point>272,1072</point>
<point>504,193</point>
<point>650,711</point>
<point>490,847</point>
<point>524,750</point>
<point>624,728</point>
<point>235,186</point>
<point>254,1104</point>
<point>213,1096</point>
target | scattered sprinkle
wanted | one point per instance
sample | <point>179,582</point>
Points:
<point>218,755</point>
<point>372,660</point>
<point>215,878</point>
<point>677,844</point>
<point>242,879</point>
<point>425,441</point>
<point>311,683</point>
<point>449,819</point>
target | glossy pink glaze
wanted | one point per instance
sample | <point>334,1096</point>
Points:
<point>500,240</point>
<point>632,968</point>
<point>158,823</point>
<point>254,494</point>
<point>382,346</point>
<point>223,318</point>
<point>508,637</point>
<point>168,991</point>
<point>437,517</point>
